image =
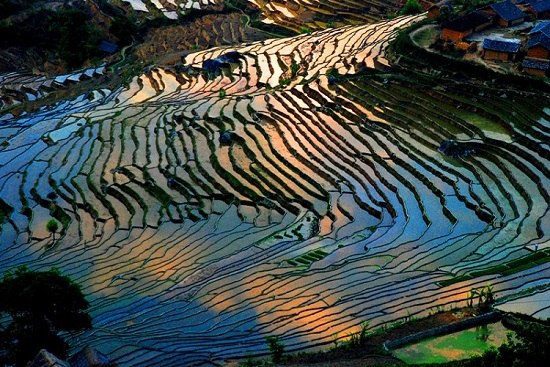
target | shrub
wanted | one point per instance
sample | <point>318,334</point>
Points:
<point>276,348</point>
<point>123,28</point>
<point>411,7</point>
<point>37,307</point>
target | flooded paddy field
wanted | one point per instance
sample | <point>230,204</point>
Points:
<point>202,214</point>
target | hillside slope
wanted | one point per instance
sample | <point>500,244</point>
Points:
<point>294,192</point>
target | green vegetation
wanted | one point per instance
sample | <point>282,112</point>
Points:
<point>457,345</point>
<point>485,298</point>
<point>68,32</point>
<point>284,82</point>
<point>123,29</point>
<point>411,7</point>
<point>294,67</point>
<point>5,211</point>
<point>276,348</point>
<point>416,59</point>
<point>273,29</point>
<point>77,37</point>
<point>308,258</point>
<point>508,268</point>
<point>8,7</point>
<point>471,5</point>
<point>36,307</point>
<point>52,226</point>
<point>359,338</point>
<point>529,347</point>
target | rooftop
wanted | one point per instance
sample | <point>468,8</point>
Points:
<point>499,45</point>
<point>507,11</point>
<point>541,27</point>
<point>540,6</point>
<point>534,63</point>
<point>108,47</point>
<point>539,39</point>
<point>468,21</point>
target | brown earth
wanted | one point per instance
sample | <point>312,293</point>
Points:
<point>164,46</point>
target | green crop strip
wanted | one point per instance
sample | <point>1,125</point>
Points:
<point>509,268</point>
<point>308,258</point>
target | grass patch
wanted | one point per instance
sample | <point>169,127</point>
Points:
<point>425,37</point>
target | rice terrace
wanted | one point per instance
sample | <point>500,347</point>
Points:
<point>302,188</point>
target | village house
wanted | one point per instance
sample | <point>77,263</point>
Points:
<point>538,46</point>
<point>461,27</point>
<point>493,49</point>
<point>535,66</point>
<point>539,8</point>
<point>434,10</point>
<point>541,27</point>
<point>506,13</point>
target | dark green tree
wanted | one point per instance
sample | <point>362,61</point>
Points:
<point>445,14</point>
<point>124,29</point>
<point>411,7</point>
<point>35,308</point>
<point>52,226</point>
<point>78,38</point>
<point>276,348</point>
<point>8,7</point>
<point>529,347</point>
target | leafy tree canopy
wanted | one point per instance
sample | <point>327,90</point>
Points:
<point>52,226</point>
<point>411,7</point>
<point>35,307</point>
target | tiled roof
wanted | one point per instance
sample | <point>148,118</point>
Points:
<point>539,39</point>
<point>502,46</point>
<point>534,63</point>
<point>540,6</point>
<point>541,27</point>
<point>88,357</point>
<point>108,47</point>
<point>468,21</point>
<point>507,11</point>
<point>46,359</point>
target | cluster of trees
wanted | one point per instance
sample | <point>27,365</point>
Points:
<point>68,33</point>
<point>36,307</point>
<point>8,7</point>
<point>411,7</point>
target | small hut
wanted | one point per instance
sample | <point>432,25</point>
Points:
<point>493,49</point>
<point>535,66</point>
